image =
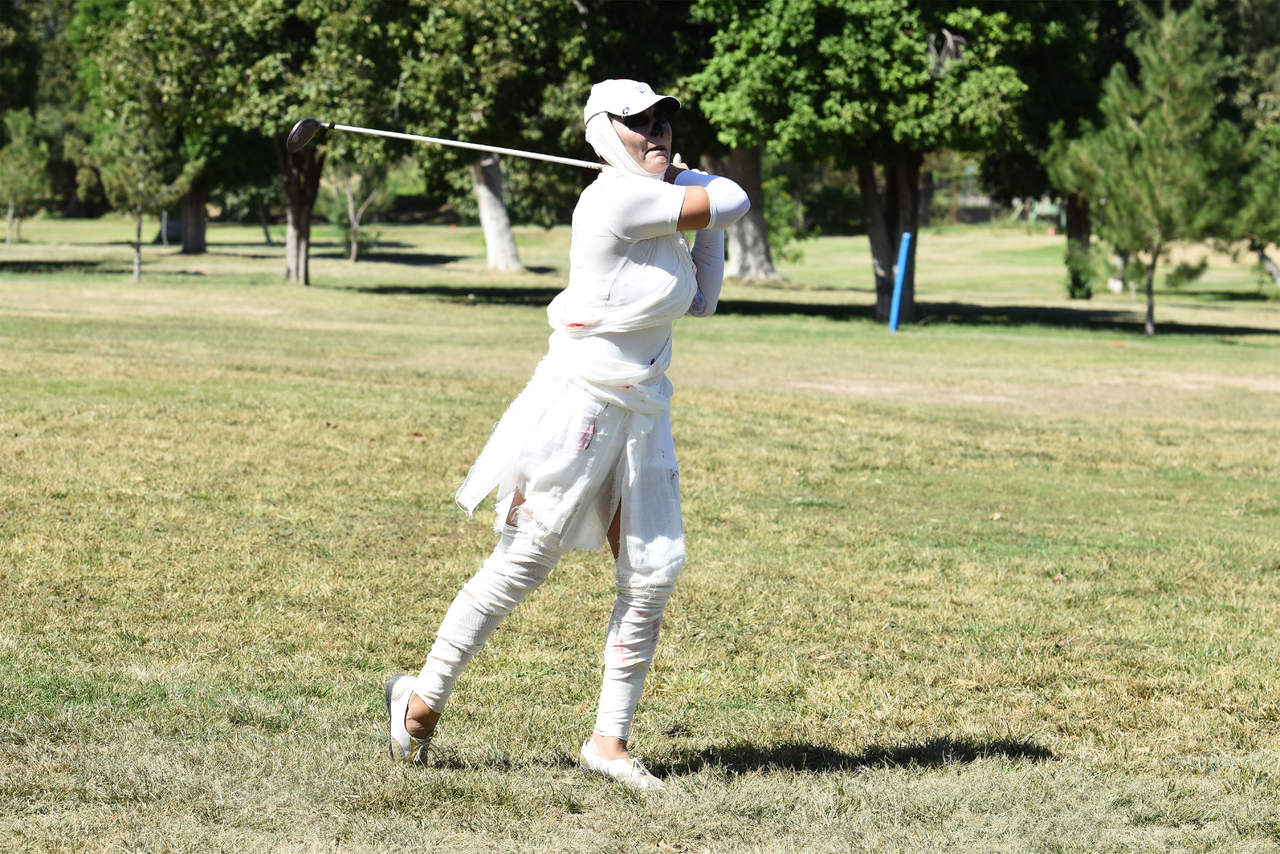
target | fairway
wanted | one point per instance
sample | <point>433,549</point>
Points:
<point>1006,580</point>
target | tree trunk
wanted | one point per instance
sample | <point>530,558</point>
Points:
<point>164,227</point>
<point>499,240</point>
<point>355,216</point>
<point>353,223</point>
<point>195,220</point>
<point>300,173</point>
<point>907,174</point>
<point>137,245</point>
<point>878,235</point>
<point>13,215</point>
<point>749,255</point>
<point>888,217</point>
<point>1079,226</point>
<point>297,244</point>
<point>1273,269</point>
<point>928,189</point>
<point>266,226</point>
<point>1151,293</point>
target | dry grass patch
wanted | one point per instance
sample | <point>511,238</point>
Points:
<point>972,586</point>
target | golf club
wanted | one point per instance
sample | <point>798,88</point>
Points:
<point>306,129</point>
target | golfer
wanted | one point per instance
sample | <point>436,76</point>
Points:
<point>584,454</point>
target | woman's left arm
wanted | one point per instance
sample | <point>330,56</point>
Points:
<point>710,201</point>
<point>708,262</point>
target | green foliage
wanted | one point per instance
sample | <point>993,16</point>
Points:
<point>1084,269</point>
<point>19,59</point>
<point>847,77</point>
<point>1185,273</point>
<point>1259,212</point>
<point>1154,169</point>
<point>784,215</point>
<point>23,182</point>
<point>509,73</point>
<point>354,189</point>
<point>60,100</point>
<point>1062,52</point>
<point>136,151</point>
<point>134,162</point>
<point>1149,168</point>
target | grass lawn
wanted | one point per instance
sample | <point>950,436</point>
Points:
<point>1007,580</point>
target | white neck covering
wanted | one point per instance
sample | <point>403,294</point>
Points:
<point>604,139</point>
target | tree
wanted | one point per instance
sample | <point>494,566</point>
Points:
<point>872,84</point>
<point>286,59</point>
<point>1153,169</point>
<point>507,73</point>
<point>356,184</point>
<point>146,56</point>
<point>135,163</point>
<point>1254,28</point>
<point>23,183</point>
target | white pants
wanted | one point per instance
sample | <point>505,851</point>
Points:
<point>523,558</point>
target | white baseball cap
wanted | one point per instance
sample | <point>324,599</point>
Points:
<point>623,97</point>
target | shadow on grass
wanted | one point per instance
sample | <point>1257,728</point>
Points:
<point>796,758</point>
<point>818,759</point>
<point>480,295</point>
<point>1117,321</point>
<point>413,259</point>
<point>1228,296</point>
<point>257,256</point>
<point>17,267</point>
<point>964,314</point>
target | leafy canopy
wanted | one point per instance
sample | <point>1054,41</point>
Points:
<point>849,78</point>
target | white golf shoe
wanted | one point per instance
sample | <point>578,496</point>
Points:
<point>402,746</point>
<point>630,772</point>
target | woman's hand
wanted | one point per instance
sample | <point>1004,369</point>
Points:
<point>674,168</point>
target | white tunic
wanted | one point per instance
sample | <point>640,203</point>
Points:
<point>591,431</point>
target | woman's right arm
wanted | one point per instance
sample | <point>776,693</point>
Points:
<point>639,209</point>
<point>710,201</point>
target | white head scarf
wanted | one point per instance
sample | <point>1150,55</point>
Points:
<point>603,137</point>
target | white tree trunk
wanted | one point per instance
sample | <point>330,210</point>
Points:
<point>1150,321</point>
<point>300,173</point>
<point>298,245</point>
<point>137,246</point>
<point>499,240</point>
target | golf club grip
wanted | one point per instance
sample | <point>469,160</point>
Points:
<point>474,146</point>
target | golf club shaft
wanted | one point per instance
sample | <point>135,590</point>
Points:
<point>474,146</point>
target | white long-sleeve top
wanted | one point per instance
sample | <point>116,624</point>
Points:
<point>631,276</point>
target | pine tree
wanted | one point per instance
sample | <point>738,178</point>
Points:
<point>1152,169</point>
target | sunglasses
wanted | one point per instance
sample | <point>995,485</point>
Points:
<point>644,122</point>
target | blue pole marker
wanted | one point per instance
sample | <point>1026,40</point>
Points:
<point>897,280</point>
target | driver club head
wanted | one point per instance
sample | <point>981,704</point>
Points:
<point>303,132</point>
